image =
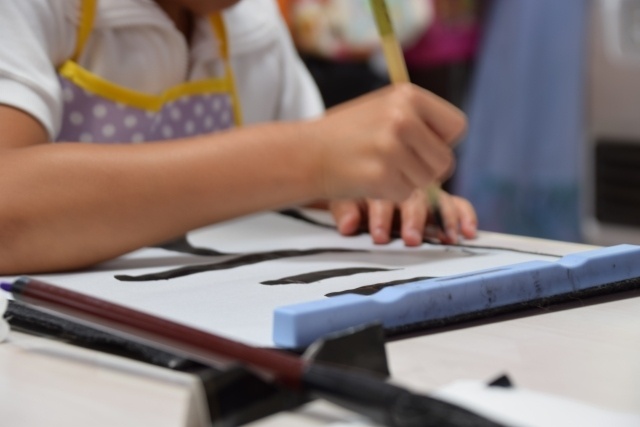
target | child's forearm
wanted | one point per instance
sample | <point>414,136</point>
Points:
<point>67,206</point>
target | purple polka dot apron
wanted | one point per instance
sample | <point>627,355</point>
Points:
<point>96,110</point>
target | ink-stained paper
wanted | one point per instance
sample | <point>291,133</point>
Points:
<point>229,278</point>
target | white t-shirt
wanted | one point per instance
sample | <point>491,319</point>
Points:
<point>134,44</point>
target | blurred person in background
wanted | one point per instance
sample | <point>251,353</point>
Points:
<point>441,59</point>
<point>521,163</point>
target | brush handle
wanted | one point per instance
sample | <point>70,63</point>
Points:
<point>161,333</point>
<point>433,195</point>
<point>397,67</point>
<point>384,403</point>
<point>390,46</point>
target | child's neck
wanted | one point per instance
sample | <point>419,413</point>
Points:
<point>181,17</point>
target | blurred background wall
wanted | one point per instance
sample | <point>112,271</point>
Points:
<point>611,184</point>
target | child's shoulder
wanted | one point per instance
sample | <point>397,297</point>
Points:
<point>36,9</point>
<point>49,23</point>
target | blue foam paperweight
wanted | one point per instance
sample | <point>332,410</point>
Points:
<point>298,325</point>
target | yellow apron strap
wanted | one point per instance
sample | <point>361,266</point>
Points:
<point>87,16</point>
<point>221,34</point>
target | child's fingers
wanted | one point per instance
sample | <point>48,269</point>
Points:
<point>385,145</point>
<point>447,121</point>
<point>348,216</point>
<point>450,217</point>
<point>433,157</point>
<point>413,213</point>
<point>380,220</point>
<point>467,217</point>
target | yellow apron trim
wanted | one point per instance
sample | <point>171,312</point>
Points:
<point>220,31</point>
<point>235,99</point>
<point>116,93</point>
<point>87,16</point>
<point>102,87</point>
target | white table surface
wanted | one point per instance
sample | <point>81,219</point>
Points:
<point>46,383</point>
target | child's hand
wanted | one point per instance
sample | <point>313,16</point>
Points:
<point>412,219</point>
<point>384,145</point>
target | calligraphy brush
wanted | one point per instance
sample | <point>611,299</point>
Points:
<point>398,74</point>
<point>382,402</point>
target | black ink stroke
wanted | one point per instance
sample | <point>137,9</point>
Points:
<point>242,260</point>
<point>372,289</point>
<point>316,276</point>
<point>182,245</point>
<point>296,214</point>
<point>395,234</point>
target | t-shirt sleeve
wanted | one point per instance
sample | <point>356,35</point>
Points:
<point>32,33</point>
<point>300,97</point>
